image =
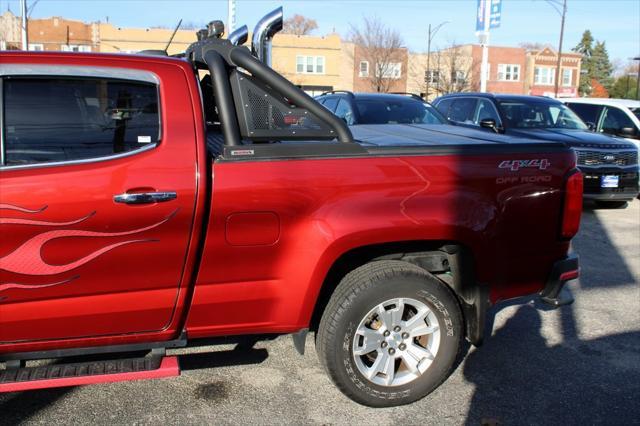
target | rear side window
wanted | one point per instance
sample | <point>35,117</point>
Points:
<point>330,103</point>
<point>588,113</point>
<point>463,110</point>
<point>64,119</point>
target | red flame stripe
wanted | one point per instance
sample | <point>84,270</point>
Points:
<point>27,259</point>
<point>20,209</point>
<point>17,221</point>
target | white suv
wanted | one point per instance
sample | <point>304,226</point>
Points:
<point>619,117</point>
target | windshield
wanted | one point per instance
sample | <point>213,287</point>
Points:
<point>539,115</point>
<point>636,112</point>
<point>397,111</point>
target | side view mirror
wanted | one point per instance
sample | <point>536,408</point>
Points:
<point>490,123</point>
<point>591,126</point>
<point>627,131</point>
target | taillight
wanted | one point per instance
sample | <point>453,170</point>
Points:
<point>572,210</point>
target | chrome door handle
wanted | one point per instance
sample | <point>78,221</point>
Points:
<point>144,197</point>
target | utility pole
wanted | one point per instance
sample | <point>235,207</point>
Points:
<point>25,39</point>
<point>429,38</point>
<point>564,12</point>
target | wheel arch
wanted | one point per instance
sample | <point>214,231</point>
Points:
<point>451,262</point>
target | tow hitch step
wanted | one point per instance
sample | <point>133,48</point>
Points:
<point>85,373</point>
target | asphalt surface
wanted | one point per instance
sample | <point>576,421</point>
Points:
<point>576,365</point>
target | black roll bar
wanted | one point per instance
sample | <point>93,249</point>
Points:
<point>224,99</point>
<point>241,57</point>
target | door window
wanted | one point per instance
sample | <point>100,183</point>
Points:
<point>614,120</point>
<point>486,110</point>
<point>588,113</point>
<point>63,119</point>
<point>443,106</point>
<point>462,110</point>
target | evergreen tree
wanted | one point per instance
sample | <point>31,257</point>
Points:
<point>601,66</point>
<point>595,64</point>
<point>585,47</point>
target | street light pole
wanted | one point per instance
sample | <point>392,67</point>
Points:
<point>429,38</point>
<point>564,12</point>
<point>637,58</point>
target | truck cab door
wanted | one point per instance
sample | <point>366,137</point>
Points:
<point>97,196</point>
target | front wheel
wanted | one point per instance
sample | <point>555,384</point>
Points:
<point>390,334</point>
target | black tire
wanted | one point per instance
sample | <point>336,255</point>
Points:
<point>611,204</point>
<point>360,291</point>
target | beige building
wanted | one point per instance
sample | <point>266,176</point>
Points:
<point>9,31</point>
<point>132,40</point>
<point>314,63</point>
<point>445,71</point>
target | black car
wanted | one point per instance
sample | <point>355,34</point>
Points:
<point>380,108</point>
<point>609,164</point>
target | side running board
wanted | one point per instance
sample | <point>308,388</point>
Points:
<point>86,373</point>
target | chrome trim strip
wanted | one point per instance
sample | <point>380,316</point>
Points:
<point>84,161</point>
<point>609,150</point>
<point>606,166</point>
<point>78,71</point>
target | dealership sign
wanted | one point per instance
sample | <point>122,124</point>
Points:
<point>489,15</point>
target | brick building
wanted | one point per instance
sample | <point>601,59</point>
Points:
<point>505,71</point>
<point>541,73</point>
<point>59,34</point>
<point>510,70</point>
<point>368,77</point>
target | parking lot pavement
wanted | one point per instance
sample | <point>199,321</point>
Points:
<point>579,364</point>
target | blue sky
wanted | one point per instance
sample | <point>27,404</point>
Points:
<point>616,22</point>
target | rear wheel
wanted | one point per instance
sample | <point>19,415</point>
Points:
<point>390,334</point>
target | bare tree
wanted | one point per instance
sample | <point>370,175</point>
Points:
<point>534,46</point>
<point>382,48</point>
<point>457,70</point>
<point>299,25</point>
<point>452,70</point>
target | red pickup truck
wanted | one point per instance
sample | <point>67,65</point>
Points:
<point>149,202</point>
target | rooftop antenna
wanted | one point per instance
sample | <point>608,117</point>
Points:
<point>166,49</point>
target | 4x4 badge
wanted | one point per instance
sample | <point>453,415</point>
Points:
<point>515,165</point>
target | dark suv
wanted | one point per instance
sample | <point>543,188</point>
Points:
<point>609,164</point>
<point>380,108</point>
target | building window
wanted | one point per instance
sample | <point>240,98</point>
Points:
<point>544,75</point>
<point>76,48</point>
<point>508,72</point>
<point>364,69</point>
<point>36,47</point>
<point>392,70</point>
<point>458,77</point>
<point>566,77</point>
<point>431,76</point>
<point>310,64</point>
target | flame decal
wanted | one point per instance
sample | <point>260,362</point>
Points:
<point>8,286</point>
<point>20,209</point>
<point>17,221</point>
<point>27,258</point>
